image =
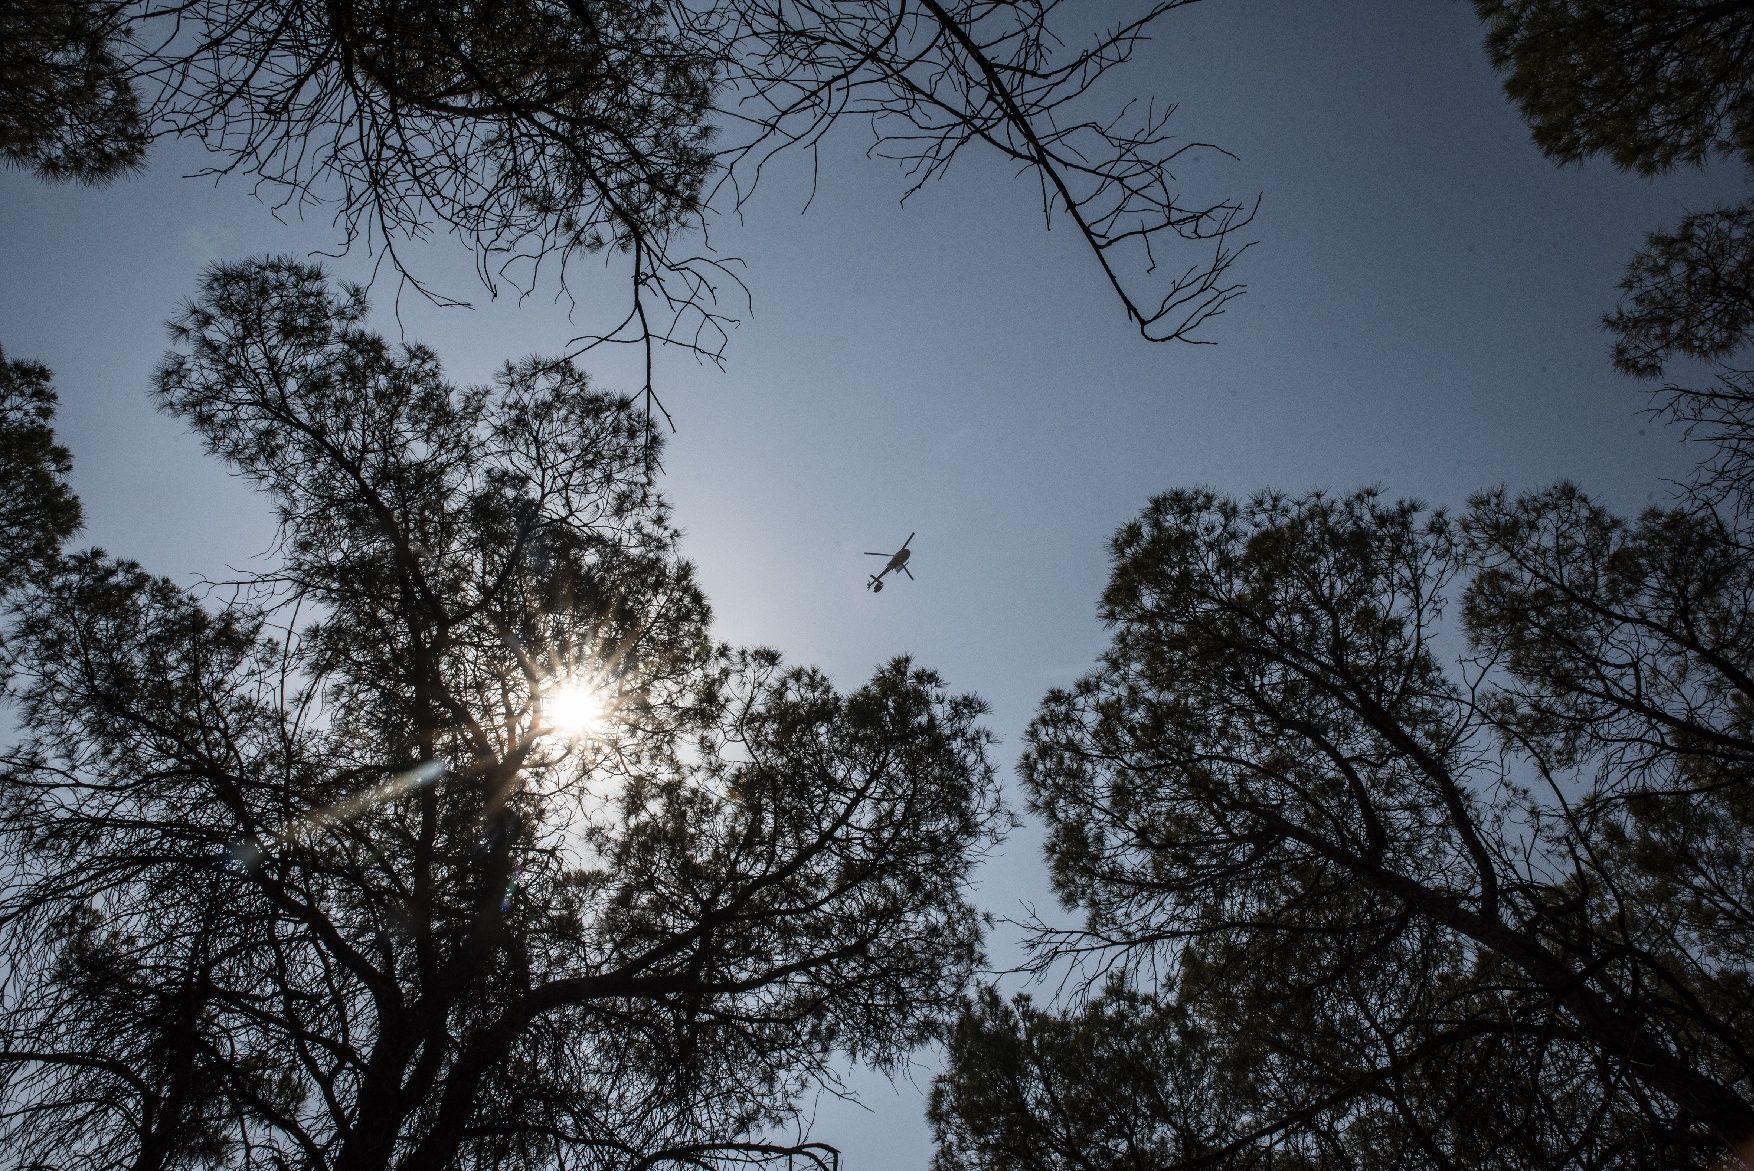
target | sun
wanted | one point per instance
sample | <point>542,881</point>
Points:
<point>575,708</point>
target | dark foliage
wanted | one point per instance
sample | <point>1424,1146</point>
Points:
<point>1126,1081</point>
<point>540,131</point>
<point>311,877</point>
<point>530,129</point>
<point>1689,293</point>
<point>1392,916</point>
<point>68,107</point>
<point>38,510</point>
<point>1651,84</point>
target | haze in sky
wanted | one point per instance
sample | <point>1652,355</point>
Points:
<point>1423,315</point>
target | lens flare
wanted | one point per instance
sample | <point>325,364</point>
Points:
<point>575,708</point>
<point>245,855</point>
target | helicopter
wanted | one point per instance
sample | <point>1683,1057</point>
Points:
<point>897,560</point>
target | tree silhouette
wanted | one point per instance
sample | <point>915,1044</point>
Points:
<point>1124,1081</point>
<point>1652,86</point>
<point>543,131</point>
<point>934,77</point>
<point>38,510</point>
<point>315,875</point>
<point>1386,915</point>
<point>1689,293</point>
<point>68,107</point>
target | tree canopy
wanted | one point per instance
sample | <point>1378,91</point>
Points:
<point>38,510</point>
<point>540,131</point>
<point>1651,84</point>
<point>1367,879</point>
<point>1688,294</point>
<point>68,106</point>
<point>1381,912</point>
<point>320,872</point>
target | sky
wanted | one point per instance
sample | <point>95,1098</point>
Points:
<point>1422,315</point>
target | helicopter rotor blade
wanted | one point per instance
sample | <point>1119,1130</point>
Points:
<point>909,572</point>
<point>909,541</point>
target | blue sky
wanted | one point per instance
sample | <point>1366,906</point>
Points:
<point>1422,315</point>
